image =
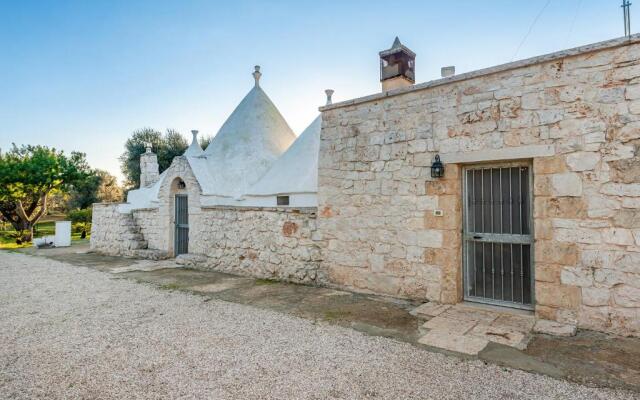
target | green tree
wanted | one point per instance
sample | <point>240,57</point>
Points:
<point>204,141</point>
<point>166,146</point>
<point>81,220</point>
<point>84,192</point>
<point>99,186</point>
<point>28,176</point>
<point>109,190</point>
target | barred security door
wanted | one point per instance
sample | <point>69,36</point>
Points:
<point>181,244</point>
<point>498,236</point>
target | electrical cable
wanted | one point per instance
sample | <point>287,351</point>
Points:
<point>530,29</point>
<point>573,22</point>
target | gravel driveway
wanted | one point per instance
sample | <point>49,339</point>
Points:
<point>71,332</point>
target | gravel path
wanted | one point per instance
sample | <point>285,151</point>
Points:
<point>70,332</point>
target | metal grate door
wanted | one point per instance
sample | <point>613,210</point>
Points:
<point>497,235</point>
<point>181,244</point>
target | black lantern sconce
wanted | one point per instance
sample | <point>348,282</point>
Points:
<point>181,184</point>
<point>437,168</point>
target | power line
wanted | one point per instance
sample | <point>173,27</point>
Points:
<point>573,22</point>
<point>530,29</point>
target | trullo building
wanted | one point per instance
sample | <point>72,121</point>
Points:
<point>516,185</point>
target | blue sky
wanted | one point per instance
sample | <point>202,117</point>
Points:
<point>82,75</point>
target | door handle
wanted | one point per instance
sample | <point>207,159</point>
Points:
<point>477,237</point>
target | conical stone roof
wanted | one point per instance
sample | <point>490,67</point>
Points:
<point>297,170</point>
<point>246,145</point>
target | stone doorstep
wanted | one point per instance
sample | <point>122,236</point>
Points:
<point>150,254</point>
<point>467,329</point>
<point>445,326</point>
<point>554,328</point>
<point>191,259</point>
<point>459,343</point>
<point>466,313</point>
<point>521,323</point>
<point>508,337</point>
<point>429,310</point>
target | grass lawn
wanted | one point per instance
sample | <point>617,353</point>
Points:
<point>43,228</point>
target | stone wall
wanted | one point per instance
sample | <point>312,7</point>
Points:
<point>574,116</point>
<point>150,226</point>
<point>273,243</point>
<point>113,232</point>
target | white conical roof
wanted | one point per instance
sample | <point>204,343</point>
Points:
<point>297,170</point>
<point>251,139</point>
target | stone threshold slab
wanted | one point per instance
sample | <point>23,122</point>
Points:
<point>464,344</point>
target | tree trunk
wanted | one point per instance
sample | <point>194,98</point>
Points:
<point>27,222</point>
<point>27,234</point>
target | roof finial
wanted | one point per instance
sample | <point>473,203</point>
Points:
<point>396,43</point>
<point>329,93</point>
<point>257,75</point>
<point>147,145</point>
<point>194,149</point>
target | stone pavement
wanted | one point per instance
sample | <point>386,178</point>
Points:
<point>469,329</point>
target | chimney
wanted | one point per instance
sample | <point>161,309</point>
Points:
<point>397,67</point>
<point>329,93</point>
<point>149,169</point>
<point>446,72</point>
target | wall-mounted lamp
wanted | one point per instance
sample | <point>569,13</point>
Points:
<point>181,184</point>
<point>437,168</point>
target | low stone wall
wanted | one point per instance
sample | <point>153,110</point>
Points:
<point>150,226</point>
<point>272,243</point>
<point>113,232</point>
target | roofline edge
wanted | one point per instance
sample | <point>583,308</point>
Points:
<point>575,51</point>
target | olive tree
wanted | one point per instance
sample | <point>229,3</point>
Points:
<point>166,146</point>
<point>28,176</point>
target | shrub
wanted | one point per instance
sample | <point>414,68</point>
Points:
<point>81,221</point>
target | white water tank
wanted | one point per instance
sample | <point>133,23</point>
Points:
<point>63,234</point>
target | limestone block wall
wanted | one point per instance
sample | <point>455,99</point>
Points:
<point>273,243</point>
<point>150,226</point>
<point>574,116</point>
<point>113,232</point>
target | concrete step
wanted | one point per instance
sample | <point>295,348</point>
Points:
<point>133,236</point>
<point>151,254</point>
<point>191,259</point>
<point>141,244</point>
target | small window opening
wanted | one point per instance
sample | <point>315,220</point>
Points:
<point>282,200</point>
